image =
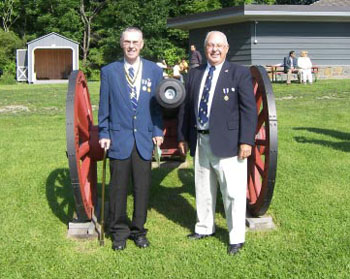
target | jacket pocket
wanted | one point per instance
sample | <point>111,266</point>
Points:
<point>232,125</point>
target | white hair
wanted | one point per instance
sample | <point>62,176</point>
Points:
<point>212,32</point>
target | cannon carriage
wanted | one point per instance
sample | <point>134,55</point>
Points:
<point>84,151</point>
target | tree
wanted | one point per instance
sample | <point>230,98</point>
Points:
<point>8,13</point>
<point>88,11</point>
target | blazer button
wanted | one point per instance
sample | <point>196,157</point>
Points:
<point>135,117</point>
<point>135,130</point>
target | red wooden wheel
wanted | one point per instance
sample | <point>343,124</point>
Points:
<point>83,149</point>
<point>262,164</point>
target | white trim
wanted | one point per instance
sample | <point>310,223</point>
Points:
<point>22,73</point>
<point>74,57</point>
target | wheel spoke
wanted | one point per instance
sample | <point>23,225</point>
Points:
<point>258,100</point>
<point>261,118</point>
<point>83,132</point>
<point>251,189</point>
<point>260,166</point>
<point>256,86</point>
<point>87,103</point>
<point>84,149</point>
<point>85,167</point>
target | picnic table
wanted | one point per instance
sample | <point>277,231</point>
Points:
<point>276,72</point>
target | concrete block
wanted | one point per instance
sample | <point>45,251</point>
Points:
<point>261,223</point>
<point>82,230</point>
<point>172,164</point>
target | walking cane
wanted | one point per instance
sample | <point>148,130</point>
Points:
<point>102,236</point>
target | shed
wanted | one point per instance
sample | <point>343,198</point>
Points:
<point>49,58</point>
<point>264,34</point>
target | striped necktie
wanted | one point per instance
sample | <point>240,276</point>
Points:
<point>203,106</point>
<point>132,89</point>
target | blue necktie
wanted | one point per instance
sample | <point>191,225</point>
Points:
<point>132,89</point>
<point>203,106</point>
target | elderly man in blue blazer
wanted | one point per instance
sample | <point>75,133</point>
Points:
<point>218,121</point>
<point>130,124</point>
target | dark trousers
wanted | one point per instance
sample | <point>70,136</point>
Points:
<point>121,171</point>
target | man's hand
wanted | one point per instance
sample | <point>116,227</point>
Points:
<point>245,150</point>
<point>157,140</point>
<point>105,143</point>
<point>183,147</point>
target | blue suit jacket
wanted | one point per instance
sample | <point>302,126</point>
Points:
<point>287,63</point>
<point>232,122</point>
<point>117,120</point>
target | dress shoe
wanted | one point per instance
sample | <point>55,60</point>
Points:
<point>119,245</point>
<point>233,249</point>
<point>197,236</point>
<point>141,241</point>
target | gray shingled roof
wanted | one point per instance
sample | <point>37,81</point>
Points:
<point>329,3</point>
<point>52,33</point>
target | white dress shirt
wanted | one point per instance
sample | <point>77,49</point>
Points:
<point>211,92</point>
<point>137,84</point>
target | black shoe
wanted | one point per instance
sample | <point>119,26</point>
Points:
<point>197,236</point>
<point>233,249</point>
<point>119,245</point>
<point>141,241</point>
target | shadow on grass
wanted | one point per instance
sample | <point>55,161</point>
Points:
<point>59,195</point>
<point>342,146</point>
<point>169,201</point>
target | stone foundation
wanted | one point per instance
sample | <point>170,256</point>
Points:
<point>333,72</point>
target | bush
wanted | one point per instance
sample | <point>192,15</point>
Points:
<point>7,78</point>
<point>9,42</point>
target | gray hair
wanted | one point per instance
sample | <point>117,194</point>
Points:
<point>211,32</point>
<point>130,29</point>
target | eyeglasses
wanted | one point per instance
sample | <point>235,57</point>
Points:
<point>218,46</point>
<point>128,43</point>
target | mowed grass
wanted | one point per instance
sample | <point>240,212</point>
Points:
<point>310,206</point>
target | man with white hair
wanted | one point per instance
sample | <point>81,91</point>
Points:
<point>218,122</point>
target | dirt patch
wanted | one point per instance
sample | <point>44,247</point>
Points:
<point>288,98</point>
<point>13,109</point>
<point>326,97</point>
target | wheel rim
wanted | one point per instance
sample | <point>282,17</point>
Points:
<point>262,164</point>
<point>81,146</point>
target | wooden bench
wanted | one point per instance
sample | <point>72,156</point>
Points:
<point>276,73</point>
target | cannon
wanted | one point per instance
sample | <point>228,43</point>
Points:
<point>83,149</point>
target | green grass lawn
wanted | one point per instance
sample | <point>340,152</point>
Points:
<point>310,206</point>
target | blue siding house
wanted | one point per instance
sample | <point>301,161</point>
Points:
<point>264,34</point>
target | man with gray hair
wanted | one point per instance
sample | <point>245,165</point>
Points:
<point>130,124</point>
<point>218,121</point>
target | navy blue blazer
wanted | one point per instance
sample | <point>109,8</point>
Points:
<point>287,63</point>
<point>116,119</point>
<point>232,122</point>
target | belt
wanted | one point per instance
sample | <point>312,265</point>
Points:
<point>205,132</point>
